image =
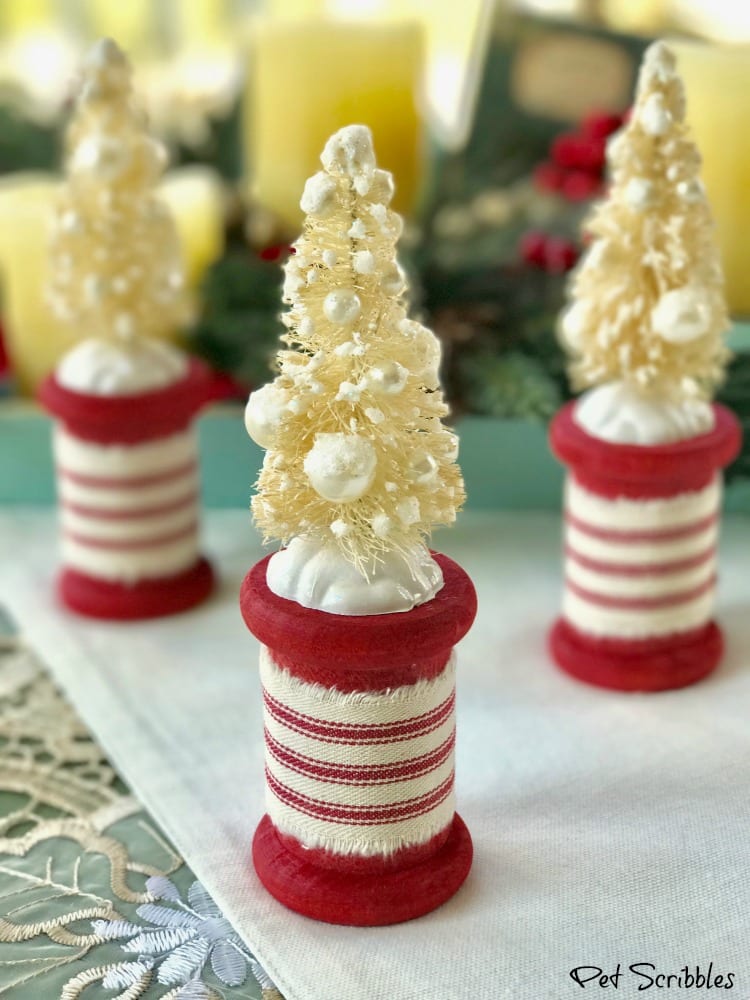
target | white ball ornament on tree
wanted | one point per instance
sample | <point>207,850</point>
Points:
<point>264,413</point>
<point>342,306</point>
<point>681,315</point>
<point>293,282</point>
<point>423,468</point>
<point>364,262</point>
<point>106,157</point>
<point>408,510</point>
<point>426,349</point>
<point>393,280</point>
<point>639,194</point>
<point>319,196</point>
<point>655,118</point>
<point>341,467</point>
<point>388,377</point>
<point>573,325</point>
<point>691,191</point>
<point>381,525</point>
<point>450,444</point>
<point>659,67</point>
<point>349,152</point>
<point>382,187</point>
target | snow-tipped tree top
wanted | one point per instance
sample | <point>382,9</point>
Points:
<point>647,303</point>
<point>116,268</point>
<point>357,456</point>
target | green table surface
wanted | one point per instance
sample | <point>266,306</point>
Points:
<point>507,464</point>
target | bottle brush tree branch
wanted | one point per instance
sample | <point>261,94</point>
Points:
<point>357,454</point>
<point>647,300</point>
<point>116,267</point>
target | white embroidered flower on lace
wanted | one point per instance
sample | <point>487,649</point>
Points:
<point>182,939</point>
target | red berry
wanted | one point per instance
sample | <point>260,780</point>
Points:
<point>578,152</point>
<point>560,254</point>
<point>579,185</point>
<point>4,359</point>
<point>600,124</point>
<point>225,386</point>
<point>548,176</point>
<point>276,252</point>
<point>533,247</point>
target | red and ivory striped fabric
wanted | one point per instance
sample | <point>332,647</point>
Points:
<point>640,568</point>
<point>128,512</point>
<point>359,773</point>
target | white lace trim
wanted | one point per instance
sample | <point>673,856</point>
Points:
<point>67,789</point>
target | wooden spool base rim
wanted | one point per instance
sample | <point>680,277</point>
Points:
<point>169,595</point>
<point>361,900</point>
<point>660,664</point>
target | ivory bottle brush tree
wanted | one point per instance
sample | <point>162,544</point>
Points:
<point>116,264</point>
<point>644,445</point>
<point>648,311</point>
<point>125,450</point>
<point>356,619</point>
<point>358,466</point>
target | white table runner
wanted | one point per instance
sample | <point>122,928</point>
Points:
<point>608,828</point>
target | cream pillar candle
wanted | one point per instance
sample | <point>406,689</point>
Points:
<point>195,196</point>
<point>133,24</point>
<point>307,78</point>
<point>455,38</point>
<point>644,16</point>
<point>26,15</point>
<point>717,82</point>
<point>34,336</point>
<point>202,23</point>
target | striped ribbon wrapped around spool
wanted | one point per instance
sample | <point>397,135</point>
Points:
<point>363,774</point>
<point>641,530</point>
<point>359,716</point>
<point>640,568</point>
<point>128,511</point>
<point>128,489</point>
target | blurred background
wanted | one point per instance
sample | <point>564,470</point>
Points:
<point>492,116</point>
